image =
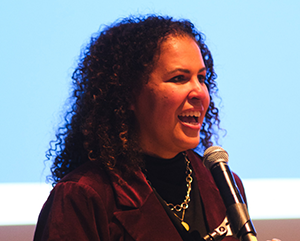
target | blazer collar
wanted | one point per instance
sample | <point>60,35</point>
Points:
<point>130,194</point>
<point>140,206</point>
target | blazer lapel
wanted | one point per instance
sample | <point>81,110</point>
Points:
<point>141,213</point>
<point>214,207</point>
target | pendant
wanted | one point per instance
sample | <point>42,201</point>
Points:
<point>185,225</point>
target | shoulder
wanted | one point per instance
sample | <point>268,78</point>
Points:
<point>81,191</point>
<point>87,183</point>
<point>89,175</point>
<point>80,198</point>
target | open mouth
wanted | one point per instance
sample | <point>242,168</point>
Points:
<point>190,117</point>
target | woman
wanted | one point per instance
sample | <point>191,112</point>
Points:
<point>123,166</point>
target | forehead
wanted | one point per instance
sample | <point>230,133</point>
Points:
<point>179,50</point>
<point>173,39</point>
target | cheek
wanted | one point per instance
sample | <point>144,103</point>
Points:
<point>153,106</point>
<point>170,99</point>
<point>151,100</point>
<point>206,99</point>
<point>161,103</point>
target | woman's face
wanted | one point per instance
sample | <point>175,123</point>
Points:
<point>171,107</point>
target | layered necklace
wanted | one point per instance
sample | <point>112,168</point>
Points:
<point>185,204</point>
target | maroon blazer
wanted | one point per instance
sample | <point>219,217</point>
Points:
<point>93,204</point>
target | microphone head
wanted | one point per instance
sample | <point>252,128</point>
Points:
<point>213,155</point>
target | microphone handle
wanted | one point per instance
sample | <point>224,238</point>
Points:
<point>237,212</point>
<point>248,237</point>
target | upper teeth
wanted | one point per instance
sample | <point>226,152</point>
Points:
<point>191,113</point>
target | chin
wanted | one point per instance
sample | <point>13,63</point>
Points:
<point>190,144</point>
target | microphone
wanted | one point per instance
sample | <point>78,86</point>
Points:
<point>215,159</point>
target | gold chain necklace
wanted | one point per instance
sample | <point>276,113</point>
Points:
<point>185,204</point>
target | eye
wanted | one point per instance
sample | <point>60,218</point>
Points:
<point>178,78</point>
<point>201,78</point>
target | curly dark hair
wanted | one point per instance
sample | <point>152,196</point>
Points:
<point>99,126</point>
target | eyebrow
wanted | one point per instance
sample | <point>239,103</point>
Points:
<point>185,70</point>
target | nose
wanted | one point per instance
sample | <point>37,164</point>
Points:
<point>199,93</point>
